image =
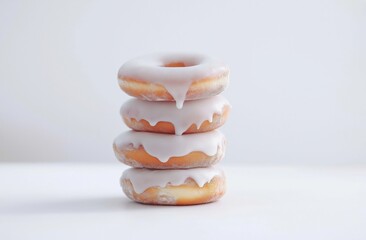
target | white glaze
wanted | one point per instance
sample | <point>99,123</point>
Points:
<point>142,179</point>
<point>176,80</point>
<point>165,146</point>
<point>194,112</point>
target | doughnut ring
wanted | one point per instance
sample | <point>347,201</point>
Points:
<point>166,151</point>
<point>173,187</point>
<point>163,117</point>
<point>173,77</point>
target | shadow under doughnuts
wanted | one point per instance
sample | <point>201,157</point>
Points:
<point>72,205</point>
<point>79,206</point>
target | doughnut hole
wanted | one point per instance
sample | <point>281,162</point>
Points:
<point>179,64</point>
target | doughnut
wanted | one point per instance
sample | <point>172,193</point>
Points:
<point>173,187</point>
<point>173,77</point>
<point>163,117</point>
<point>167,151</point>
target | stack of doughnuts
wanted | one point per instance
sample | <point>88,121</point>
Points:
<point>174,116</point>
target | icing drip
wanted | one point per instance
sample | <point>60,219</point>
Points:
<point>175,79</point>
<point>194,112</point>
<point>142,179</point>
<point>179,95</point>
<point>165,146</point>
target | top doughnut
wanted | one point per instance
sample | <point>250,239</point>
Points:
<point>173,77</point>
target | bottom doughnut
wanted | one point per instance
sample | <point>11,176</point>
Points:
<point>174,187</point>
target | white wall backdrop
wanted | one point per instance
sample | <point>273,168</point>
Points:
<point>298,74</point>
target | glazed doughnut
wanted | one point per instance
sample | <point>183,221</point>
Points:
<point>173,77</point>
<point>173,187</point>
<point>163,117</point>
<point>166,151</point>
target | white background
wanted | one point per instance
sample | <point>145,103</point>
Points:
<point>298,74</point>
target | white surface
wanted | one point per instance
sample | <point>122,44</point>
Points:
<point>297,74</point>
<point>57,201</point>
